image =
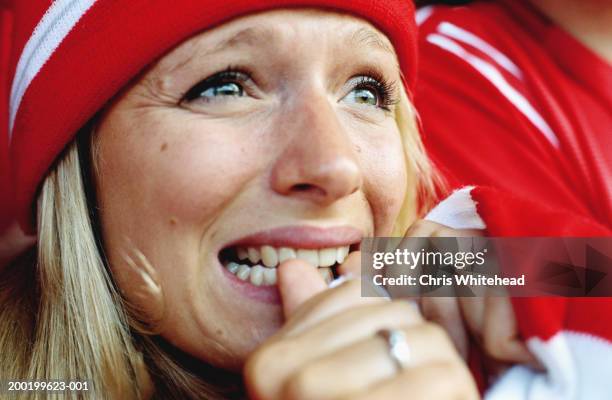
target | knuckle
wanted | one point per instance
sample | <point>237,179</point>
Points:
<point>441,307</point>
<point>405,312</point>
<point>494,346</point>
<point>346,293</point>
<point>455,374</point>
<point>253,371</point>
<point>458,381</point>
<point>422,227</point>
<point>301,385</point>
<point>441,231</point>
<point>419,223</point>
<point>257,367</point>
<point>463,381</point>
<point>436,334</point>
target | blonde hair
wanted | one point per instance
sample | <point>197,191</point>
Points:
<point>65,319</point>
<point>76,331</point>
<point>421,173</point>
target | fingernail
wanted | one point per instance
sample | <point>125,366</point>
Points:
<point>340,280</point>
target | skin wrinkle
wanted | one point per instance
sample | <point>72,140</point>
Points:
<point>214,176</point>
<point>372,119</point>
<point>154,93</point>
<point>249,39</point>
<point>366,36</point>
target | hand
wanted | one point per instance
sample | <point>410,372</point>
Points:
<point>444,310</point>
<point>490,320</point>
<point>329,347</point>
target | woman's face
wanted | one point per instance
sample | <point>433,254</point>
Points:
<point>267,137</point>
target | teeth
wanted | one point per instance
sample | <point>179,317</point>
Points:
<point>286,253</point>
<point>233,267</point>
<point>257,275</point>
<point>269,276</point>
<point>310,256</point>
<point>327,257</point>
<point>254,255</point>
<point>327,274</point>
<point>243,272</point>
<point>269,256</point>
<point>341,253</point>
<point>265,275</point>
<point>242,253</point>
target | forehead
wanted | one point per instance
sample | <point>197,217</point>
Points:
<point>282,29</point>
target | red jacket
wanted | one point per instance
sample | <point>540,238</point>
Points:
<point>514,105</point>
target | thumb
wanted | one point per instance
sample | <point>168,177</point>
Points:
<point>298,281</point>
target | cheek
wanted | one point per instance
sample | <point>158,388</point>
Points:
<point>173,174</point>
<point>199,174</point>
<point>162,185</point>
<point>386,180</point>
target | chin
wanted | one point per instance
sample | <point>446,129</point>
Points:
<point>227,340</point>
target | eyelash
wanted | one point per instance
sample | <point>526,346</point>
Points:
<point>230,74</point>
<point>385,89</point>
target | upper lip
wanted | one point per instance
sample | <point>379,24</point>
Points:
<point>302,237</point>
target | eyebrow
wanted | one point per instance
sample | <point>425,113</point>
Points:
<point>247,36</point>
<point>369,37</point>
<point>252,36</point>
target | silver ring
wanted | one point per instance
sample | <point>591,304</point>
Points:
<point>399,350</point>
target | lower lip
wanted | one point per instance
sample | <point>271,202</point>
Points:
<point>264,294</point>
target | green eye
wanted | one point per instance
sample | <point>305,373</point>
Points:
<point>223,85</point>
<point>363,96</point>
<point>224,89</point>
<point>371,92</point>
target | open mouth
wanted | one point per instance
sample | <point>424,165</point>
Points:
<point>258,264</point>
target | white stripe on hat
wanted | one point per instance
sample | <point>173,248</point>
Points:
<point>423,14</point>
<point>52,29</point>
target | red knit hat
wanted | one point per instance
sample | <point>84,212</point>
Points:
<point>71,56</point>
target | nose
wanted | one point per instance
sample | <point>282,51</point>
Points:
<point>319,163</point>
